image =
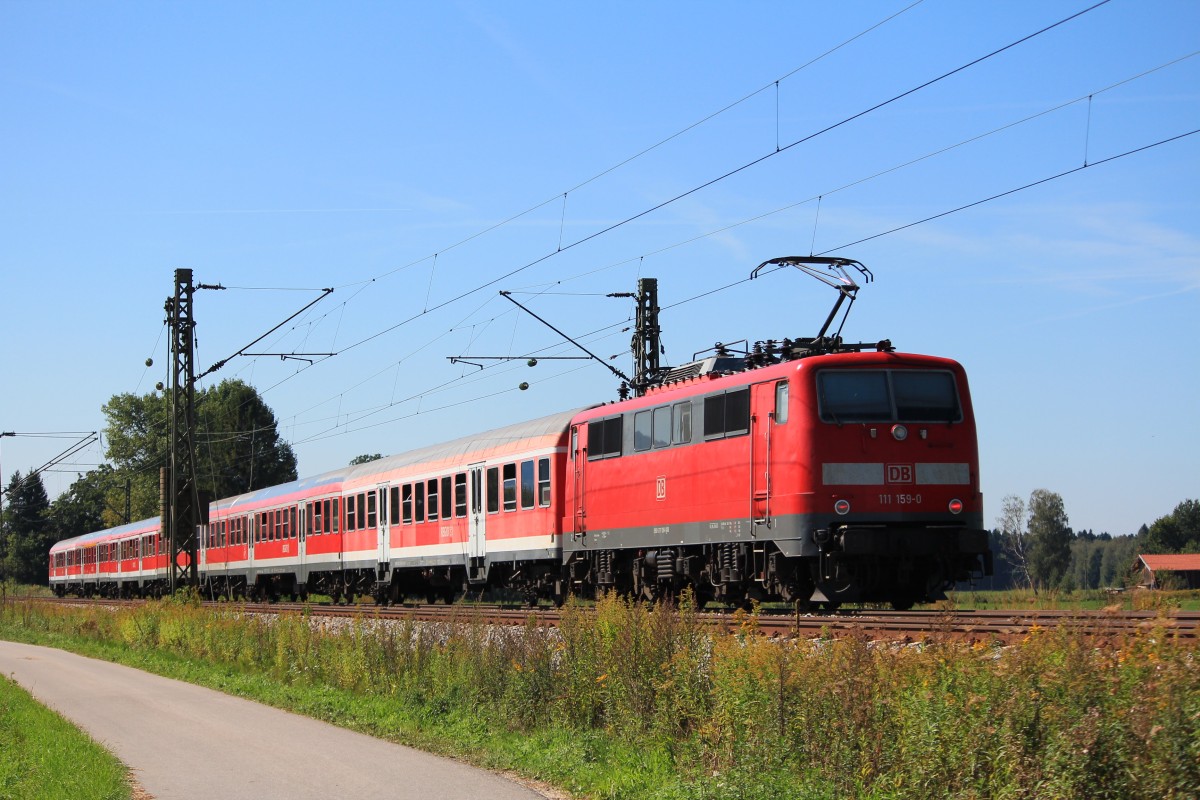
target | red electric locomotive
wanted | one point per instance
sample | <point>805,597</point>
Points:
<point>814,472</point>
<point>847,476</point>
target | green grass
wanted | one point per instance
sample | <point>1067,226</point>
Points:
<point>1080,600</point>
<point>44,757</point>
<point>629,701</point>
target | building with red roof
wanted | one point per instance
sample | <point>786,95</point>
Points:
<point>1184,567</point>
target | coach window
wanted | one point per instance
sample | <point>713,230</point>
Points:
<point>394,505</point>
<point>643,424</point>
<point>543,482</point>
<point>431,510</point>
<point>493,490</point>
<point>419,515</point>
<point>460,494</point>
<point>351,513</point>
<point>510,487</point>
<point>362,510</point>
<point>682,425</point>
<point>662,426</point>
<point>528,488</point>
<point>447,498</point>
<point>292,519</point>
<point>781,402</point>
<point>406,504</point>
<point>372,515</point>
<point>336,516</point>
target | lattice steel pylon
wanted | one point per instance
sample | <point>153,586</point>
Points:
<point>646,341</point>
<point>182,512</point>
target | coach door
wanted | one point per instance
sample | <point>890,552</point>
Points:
<point>384,530</point>
<point>476,526</point>
<point>251,540</point>
<point>300,526</point>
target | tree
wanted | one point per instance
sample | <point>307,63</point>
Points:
<point>1177,532</point>
<point>84,508</point>
<point>238,447</point>
<point>1049,539</point>
<point>25,536</point>
<point>1016,541</point>
<point>365,458</point>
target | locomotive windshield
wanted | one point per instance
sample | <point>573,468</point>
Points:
<point>887,396</point>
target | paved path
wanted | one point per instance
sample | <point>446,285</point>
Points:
<point>185,742</point>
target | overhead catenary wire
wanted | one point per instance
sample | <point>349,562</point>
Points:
<point>493,282</point>
<point>893,230</point>
<point>735,171</point>
<point>940,215</point>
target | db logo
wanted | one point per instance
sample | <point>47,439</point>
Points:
<point>660,487</point>
<point>899,473</point>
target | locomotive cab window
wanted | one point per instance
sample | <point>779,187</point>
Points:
<point>887,396</point>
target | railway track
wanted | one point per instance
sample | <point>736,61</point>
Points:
<point>1002,625</point>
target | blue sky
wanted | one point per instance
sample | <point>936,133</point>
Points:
<point>298,146</point>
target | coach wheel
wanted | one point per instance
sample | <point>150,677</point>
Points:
<point>431,596</point>
<point>903,604</point>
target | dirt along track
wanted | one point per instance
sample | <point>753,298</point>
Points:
<point>1002,625</point>
<point>183,742</point>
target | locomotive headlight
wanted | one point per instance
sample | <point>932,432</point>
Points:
<point>842,507</point>
<point>955,506</point>
<point>899,432</point>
